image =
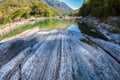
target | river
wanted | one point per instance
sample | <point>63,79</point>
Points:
<point>53,24</point>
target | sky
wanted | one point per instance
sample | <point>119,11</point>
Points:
<point>74,4</point>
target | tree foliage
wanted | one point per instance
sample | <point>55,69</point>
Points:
<point>12,9</point>
<point>40,9</point>
<point>100,8</point>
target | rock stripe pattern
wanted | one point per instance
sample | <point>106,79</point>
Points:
<point>58,55</point>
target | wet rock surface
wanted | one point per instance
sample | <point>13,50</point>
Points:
<point>59,55</point>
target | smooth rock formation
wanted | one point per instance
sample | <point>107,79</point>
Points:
<point>102,29</point>
<point>111,48</point>
<point>9,49</point>
<point>11,70</point>
<point>57,55</point>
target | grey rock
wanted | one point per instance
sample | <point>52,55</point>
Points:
<point>112,48</point>
<point>11,70</point>
<point>106,26</point>
<point>10,49</point>
<point>102,29</point>
<point>60,55</point>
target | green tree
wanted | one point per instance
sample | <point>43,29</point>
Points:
<point>41,9</point>
<point>114,5</point>
<point>100,8</point>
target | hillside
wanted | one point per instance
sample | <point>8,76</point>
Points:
<point>57,5</point>
<point>75,12</point>
<point>14,10</point>
<point>16,3</point>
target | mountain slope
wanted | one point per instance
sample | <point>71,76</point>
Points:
<point>59,5</point>
<point>15,3</point>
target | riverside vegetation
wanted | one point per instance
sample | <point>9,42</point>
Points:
<point>44,24</point>
<point>100,8</point>
<point>15,10</point>
<point>107,11</point>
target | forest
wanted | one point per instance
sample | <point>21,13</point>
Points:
<point>100,8</point>
<point>11,10</point>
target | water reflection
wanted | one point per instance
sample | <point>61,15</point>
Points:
<point>84,29</point>
<point>88,30</point>
<point>73,28</point>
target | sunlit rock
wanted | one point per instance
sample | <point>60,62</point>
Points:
<point>112,48</point>
<point>59,55</point>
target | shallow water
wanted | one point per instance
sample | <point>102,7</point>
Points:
<point>54,24</point>
<point>73,27</point>
<point>84,29</point>
<point>46,24</point>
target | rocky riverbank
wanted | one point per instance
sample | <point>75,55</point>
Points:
<point>4,29</point>
<point>59,55</point>
<point>111,41</point>
<point>62,54</point>
<point>103,29</point>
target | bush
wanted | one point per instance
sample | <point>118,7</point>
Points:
<point>26,15</point>
<point>1,15</point>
